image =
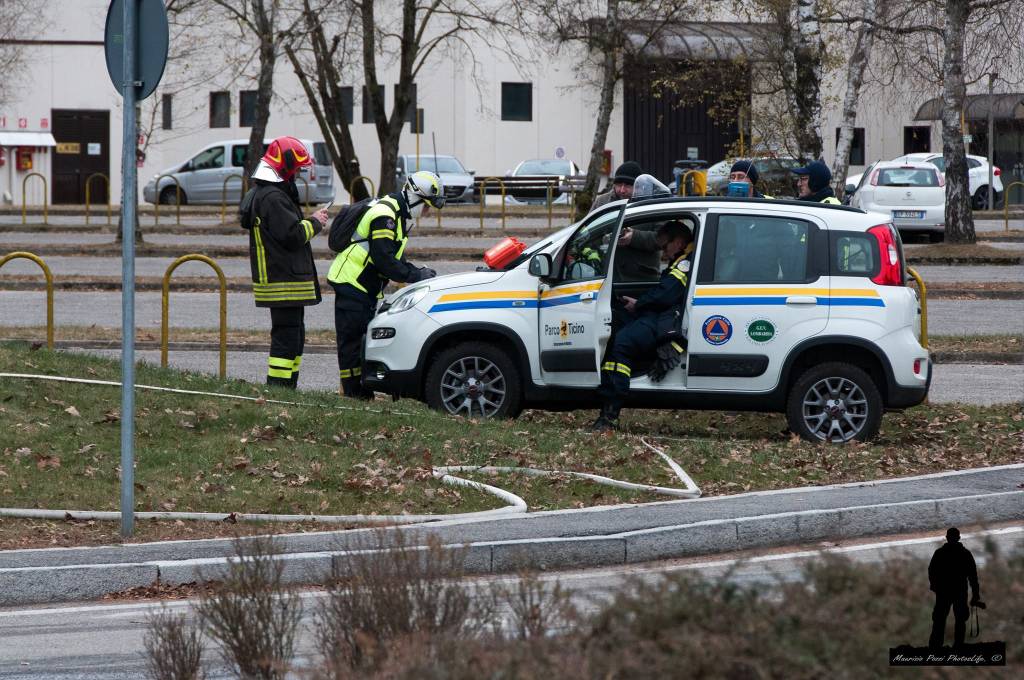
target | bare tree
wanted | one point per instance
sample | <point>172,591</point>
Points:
<point>18,19</point>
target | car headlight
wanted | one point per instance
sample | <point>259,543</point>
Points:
<point>408,300</point>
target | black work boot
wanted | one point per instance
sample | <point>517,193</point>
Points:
<point>608,421</point>
<point>280,382</point>
<point>294,382</point>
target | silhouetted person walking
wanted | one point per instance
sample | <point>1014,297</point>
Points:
<point>952,568</point>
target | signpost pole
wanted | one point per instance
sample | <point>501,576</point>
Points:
<point>128,209</point>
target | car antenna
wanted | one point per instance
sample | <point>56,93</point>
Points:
<point>433,140</point>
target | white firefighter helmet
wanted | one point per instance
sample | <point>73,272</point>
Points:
<point>423,187</point>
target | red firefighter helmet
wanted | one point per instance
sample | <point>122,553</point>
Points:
<point>284,157</point>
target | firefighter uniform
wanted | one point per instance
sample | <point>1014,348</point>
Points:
<point>359,274</point>
<point>654,310</point>
<point>283,272</point>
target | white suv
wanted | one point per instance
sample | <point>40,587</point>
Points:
<point>793,307</point>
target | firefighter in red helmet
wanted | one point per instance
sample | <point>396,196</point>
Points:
<point>283,272</point>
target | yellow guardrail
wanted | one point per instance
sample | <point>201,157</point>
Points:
<point>224,193</point>
<point>924,305</point>
<point>1006,203</point>
<point>22,255</point>
<point>88,187</point>
<point>46,204</point>
<point>177,193</point>
<point>483,199</point>
<point>352,187</point>
<point>165,308</point>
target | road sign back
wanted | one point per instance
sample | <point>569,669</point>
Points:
<point>151,44</point>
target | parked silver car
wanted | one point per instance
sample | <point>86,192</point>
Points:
<point>215,174</point>
<point>541,167</point>
<point>457,180</point>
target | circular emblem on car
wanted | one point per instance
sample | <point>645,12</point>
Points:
<point>717,330</point>
<point>761,330</point>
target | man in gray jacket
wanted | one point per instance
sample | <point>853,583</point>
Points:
<point>622,185</point>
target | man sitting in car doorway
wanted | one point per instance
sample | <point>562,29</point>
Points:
<point>656,325</point>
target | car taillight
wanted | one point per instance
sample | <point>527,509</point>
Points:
<point>891,271</point>
<point>917,366</point>
<point>942,179</point>
<point>312,172</point>
<point>996,171</point>
<point>874,178</point>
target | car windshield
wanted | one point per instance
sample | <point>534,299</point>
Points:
<point>907,177</point>
<point>544,167</point>
<point>443,164</point>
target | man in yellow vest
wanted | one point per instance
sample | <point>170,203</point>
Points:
<point>360,272</point>
<point>813,183</point>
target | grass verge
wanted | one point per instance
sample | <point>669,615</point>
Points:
<point>59,448</point>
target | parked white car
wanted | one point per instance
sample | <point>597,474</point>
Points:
<point>913,195</point>
<point>214,174</point>
<point>977,175</point>
<point>795,307</point>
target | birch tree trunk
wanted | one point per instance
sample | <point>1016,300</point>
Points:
<point>609,78</point>
<point>854,80</point>
<point>264,21</point>
<point>959,219</point>
<point>807,55</point>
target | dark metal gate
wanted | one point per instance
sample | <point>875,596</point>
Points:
<point>83,149</point>
<point>661,126</point>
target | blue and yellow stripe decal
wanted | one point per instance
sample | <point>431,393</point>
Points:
<point>761,295</point>
<point>513,299</point>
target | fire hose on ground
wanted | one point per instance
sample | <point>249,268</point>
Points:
<point>513,503</point>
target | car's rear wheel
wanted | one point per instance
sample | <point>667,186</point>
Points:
<point>476,380</point>
<point>834,402</point>
<point>169,196</point>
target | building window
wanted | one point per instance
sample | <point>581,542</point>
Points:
<point>220,109</point>
<point>857,147</point>
<point>246,108</point>
<point>367,106</point>
<point>347,95</point>
<point>410,111</point>
<point>517,101</point>
<point>165,111</point>
<point>917,139</point>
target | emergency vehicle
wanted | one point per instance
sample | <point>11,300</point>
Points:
<point>793,307</point>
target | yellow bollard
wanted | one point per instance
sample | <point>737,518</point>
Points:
<point>46,191</point>
<point>352,186</point>
<point>1006,204</point>
<point>165,312</point>
<point>224,194</point>
<point>700,182</point>
<point>550,203</point>
<point>88,186</point>
<point>924,306</point>
<point>49,287</point>
<point>483,199</point>
<point>177,193</point>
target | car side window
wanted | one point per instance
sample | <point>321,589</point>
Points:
<point>589,250</point>
<point>854,254</point>
<point>209,159</point>
<point>239,152</point>
<point>939,162</point>
<point>758,249</point>
<point>971,163</point>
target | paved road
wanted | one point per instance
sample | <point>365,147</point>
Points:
<point>105,640</point>
<point>968,274</point>
<point>199,310</point>
<point>981,384</point>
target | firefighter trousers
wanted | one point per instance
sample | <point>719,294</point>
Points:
<point>636,339</point>
<point>287,339</point>
<point>350,324</point>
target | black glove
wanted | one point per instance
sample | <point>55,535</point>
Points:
<point>669,355</point>
<point>427,273</point>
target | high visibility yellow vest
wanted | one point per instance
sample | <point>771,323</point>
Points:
<point>831,200</point>
<point>350,265</point>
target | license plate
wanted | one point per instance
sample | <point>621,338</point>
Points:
<point>908,214</point>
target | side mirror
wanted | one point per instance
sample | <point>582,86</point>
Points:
<point>850,188</point>
<point>187,167</point>
<point>540,265</point>
<point>470,172</point>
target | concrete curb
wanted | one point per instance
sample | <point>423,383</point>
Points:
<point>68,582</point>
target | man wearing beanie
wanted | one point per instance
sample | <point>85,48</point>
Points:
<point>814,183</point>
<point>622,185</point>
<point>744,170</point>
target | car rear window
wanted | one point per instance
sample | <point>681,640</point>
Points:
<point>854,254</point>
<point>320,153</point>
<point>907,177</point>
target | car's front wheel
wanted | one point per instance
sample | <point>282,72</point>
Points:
<point>834,402</point>
<point>169,196</point>
<point>476,380</point>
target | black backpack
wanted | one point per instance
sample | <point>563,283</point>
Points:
<point>345,223</point>
<point>246,209</point>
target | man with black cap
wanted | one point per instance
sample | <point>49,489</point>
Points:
<point>951,570</point>
<point>814,183</point>
<point>745,171</point>
<point>622,185</point>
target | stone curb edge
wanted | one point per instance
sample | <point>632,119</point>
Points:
<point>35,585</point>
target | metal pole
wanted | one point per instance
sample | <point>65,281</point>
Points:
<point>128,209</point>
<point>991,143</point>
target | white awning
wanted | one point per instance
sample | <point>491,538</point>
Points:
<point>24,138</point>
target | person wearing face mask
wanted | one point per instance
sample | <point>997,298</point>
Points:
<point>655,328</point>
<point>745,172</point>
<point>360,272</point>
<point>283,272</point>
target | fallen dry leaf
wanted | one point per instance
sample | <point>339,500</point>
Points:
<point>71,410</point>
